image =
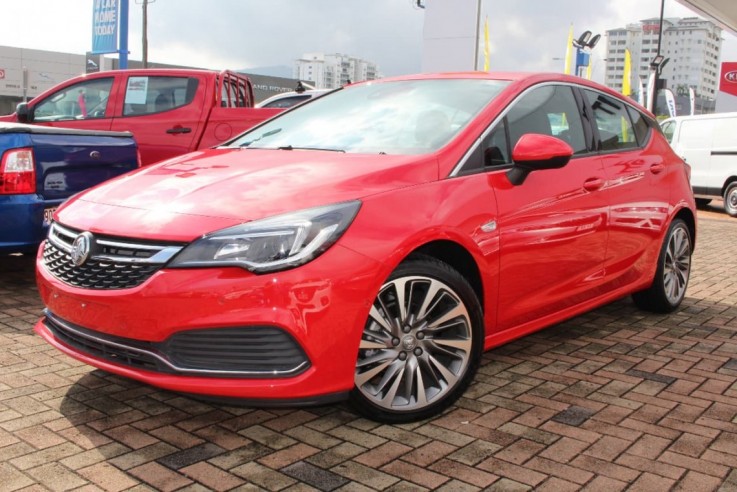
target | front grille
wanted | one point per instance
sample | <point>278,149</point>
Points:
<point>112,264</point>
<point>249,351</point>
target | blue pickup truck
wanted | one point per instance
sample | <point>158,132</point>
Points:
<point>40,167</point>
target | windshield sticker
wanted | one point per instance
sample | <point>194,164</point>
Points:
<point>136,91</point>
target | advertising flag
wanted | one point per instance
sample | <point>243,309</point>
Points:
<point>486,44</point>
<point>650,95</point>
<point>569,52</point>
<point>626,87</point>
<point>640,91</point>
<point>104,26</point>
<point>670,101</point>
<point>692,99</point>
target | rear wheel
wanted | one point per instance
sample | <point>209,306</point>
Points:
<point>421,344</point>
<point>674,269</point>
<point>730,199</point>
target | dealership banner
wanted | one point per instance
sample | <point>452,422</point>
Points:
<point>105,26</point>
<point>728,79</point>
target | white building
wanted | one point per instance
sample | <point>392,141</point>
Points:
<point>330,71</point>
<point>691,45</point>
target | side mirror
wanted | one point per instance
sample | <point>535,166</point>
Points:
<point>23,113</point>
<point>535,152</point>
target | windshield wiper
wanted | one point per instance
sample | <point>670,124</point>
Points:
<point>291,147</point>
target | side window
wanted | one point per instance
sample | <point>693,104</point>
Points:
<point>85,100</point>
<point>612,119</point>
<point>640,125</point>
<point>147,95</point>
<point>669,128</point>
<point>548,110</point>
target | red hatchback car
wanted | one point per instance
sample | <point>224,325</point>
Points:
<point>371,243</point>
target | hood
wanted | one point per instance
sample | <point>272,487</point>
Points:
<point>188,196</point>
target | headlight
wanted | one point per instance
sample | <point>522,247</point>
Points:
<point>276,243</point>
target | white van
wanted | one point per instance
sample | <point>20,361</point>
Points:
<point>708,143</point>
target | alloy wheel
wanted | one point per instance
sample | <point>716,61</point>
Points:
<point>416,345</point>
<point>677,266</point>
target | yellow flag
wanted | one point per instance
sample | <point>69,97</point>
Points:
<point>588,71</point>
<point>569,51</point>
<point>486,44</point>
<point>626,87</point>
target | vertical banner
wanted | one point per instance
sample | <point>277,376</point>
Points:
<point>640,91</point>
<point>670,101</point>
<point>569,52</point>
<point>627,75</point>
<point>104,26</point>
<point>650,95</point>
<point>692,99</point>
<point>487,48</point>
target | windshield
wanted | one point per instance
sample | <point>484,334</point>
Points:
<point>402,117</point>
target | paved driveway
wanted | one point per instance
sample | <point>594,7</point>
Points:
<point>615,399</point>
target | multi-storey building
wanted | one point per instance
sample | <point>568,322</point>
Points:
<point>330,71</point>
<point>691,46</point>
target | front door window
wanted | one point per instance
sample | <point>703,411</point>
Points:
<point>86,100</point>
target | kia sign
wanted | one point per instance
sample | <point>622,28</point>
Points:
<point>2,73</point>
<point>105,26</point>
<point>728,80</point>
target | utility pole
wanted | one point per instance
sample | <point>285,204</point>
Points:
<point>144,41</point>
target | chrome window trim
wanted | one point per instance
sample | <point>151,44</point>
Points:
<point>457,169</point>
<point>163,359</point>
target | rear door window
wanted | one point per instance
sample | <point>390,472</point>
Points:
<point>148,95</point>
<point>616,131</point>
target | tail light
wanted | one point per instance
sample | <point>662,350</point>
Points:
<point>17,172</point>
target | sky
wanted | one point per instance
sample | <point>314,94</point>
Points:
<point>525,35</point>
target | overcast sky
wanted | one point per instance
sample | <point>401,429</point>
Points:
<point>524,34</point>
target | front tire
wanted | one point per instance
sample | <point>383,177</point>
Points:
<point>671,277</point>
<point>421,344</point>
<point>730,199</point>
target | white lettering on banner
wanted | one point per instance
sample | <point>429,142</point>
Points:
<point>105,30</point>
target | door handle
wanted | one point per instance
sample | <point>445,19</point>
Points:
<point>657,168</point>
<point>593,184</point>
<point>179,129</point>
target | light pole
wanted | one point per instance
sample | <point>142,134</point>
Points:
<point>656,66</point>
<point>144,41</point>
<point>584,44</point>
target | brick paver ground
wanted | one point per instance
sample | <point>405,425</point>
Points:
<point>616,399</point>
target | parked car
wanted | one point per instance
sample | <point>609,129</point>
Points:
<point>41,167</point>
<point>169,111</point>
<point>289,99</point>
<point>709,144</point>
<point>372,243</point>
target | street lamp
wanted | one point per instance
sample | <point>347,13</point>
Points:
<point>584,44</point>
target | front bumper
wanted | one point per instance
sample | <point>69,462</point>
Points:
<point>322,306</point>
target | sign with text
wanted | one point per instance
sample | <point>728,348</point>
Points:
<point>728,79</point>
<point>105,26</point>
